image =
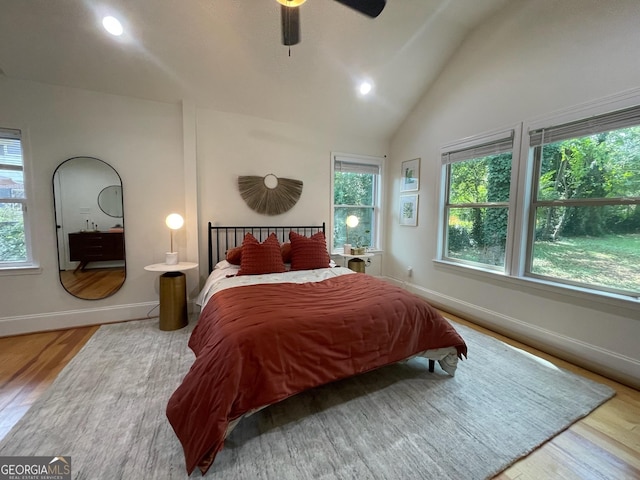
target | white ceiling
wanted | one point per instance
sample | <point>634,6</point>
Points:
<point>227,54</point>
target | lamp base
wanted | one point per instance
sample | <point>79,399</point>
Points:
<point>171,258</point>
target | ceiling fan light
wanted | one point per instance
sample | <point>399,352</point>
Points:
<point>291,3</point>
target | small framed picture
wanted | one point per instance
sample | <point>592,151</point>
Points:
<point>409,210</point>
<point>410,180</point>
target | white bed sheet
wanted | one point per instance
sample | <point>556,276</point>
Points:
<point>223,277</point>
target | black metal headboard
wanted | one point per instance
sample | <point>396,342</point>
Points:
<point>222,239</point>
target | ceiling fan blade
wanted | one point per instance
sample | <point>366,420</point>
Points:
<point>290,25</point>
<point>370,8</point>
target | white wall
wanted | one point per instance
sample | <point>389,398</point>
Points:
<point>143,141</point>
<point>536,57</point>
<point>170,158</point>
<point>230,145</point>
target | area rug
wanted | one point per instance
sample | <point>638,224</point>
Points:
<point>106,410</point>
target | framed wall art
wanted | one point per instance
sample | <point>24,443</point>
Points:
<point>410,180</point>
<point>409,210</point>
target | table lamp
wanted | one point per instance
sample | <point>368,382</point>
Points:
<point>174,222</point>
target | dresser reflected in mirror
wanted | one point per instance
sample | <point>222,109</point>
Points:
<point>90,227</point>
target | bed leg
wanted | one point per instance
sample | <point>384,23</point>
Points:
<point>432,364</point>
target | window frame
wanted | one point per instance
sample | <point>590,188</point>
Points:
<point>31,264</point>
<point>484,141</point>
<point>534,158</point>
<point>522,192</point>
<point>367,160</point>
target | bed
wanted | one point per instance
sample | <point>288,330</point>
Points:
<point>279,317</point>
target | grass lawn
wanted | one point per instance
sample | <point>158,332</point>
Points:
<point>612,261</point>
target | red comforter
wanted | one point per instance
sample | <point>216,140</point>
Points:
<point>259,344</point>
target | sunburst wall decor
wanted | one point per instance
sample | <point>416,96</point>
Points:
<point>264,196</point>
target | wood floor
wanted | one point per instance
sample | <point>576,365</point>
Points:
<point>603,445</point>
<point>93,283</point>
<point>29,364</point>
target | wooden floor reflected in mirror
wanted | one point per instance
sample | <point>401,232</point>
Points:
<point>93,283</point>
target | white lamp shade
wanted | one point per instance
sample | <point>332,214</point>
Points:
<point>174,221</point>
<point>352,221</point>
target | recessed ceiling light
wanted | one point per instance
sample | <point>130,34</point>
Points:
<point>112,25</point>
<point>365,88</point>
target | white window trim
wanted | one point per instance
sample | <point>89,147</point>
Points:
<point>522,169</point>
<point>577,295</point>
<point>377,210</point>
<point>571,114</point>
<point>467,143</point>
<point>580,112</point>
<point>31,265</point>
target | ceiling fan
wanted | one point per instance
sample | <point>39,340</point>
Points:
<point>290,13</point>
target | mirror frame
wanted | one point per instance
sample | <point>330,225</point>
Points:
<point>80,241</point>
<point>102,201</point>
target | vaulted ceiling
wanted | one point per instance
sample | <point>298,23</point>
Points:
<point>227,55</point>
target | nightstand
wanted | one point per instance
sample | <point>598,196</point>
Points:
<point>356,262</point>
<point>173,294</point>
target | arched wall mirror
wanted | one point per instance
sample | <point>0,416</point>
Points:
<point>90,227</point>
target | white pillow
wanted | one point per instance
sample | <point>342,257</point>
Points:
<point>222,265</point>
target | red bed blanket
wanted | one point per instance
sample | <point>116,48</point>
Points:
<point>258,344</point>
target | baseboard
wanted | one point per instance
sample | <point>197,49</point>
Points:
<point>22,324</point>
<point>608,363</point>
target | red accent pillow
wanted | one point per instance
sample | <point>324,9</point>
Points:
<point>234,255</point>
<point>259,258</point>
<point>308,253</point>
<point>285,249</point>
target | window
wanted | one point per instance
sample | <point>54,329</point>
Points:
<point>563,210</point>
<point>14,239</point>
<point>584,225</point>
<point>477,200</point>
<point>356,191</point>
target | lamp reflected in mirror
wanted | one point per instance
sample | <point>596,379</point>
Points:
<point>90,227</point>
